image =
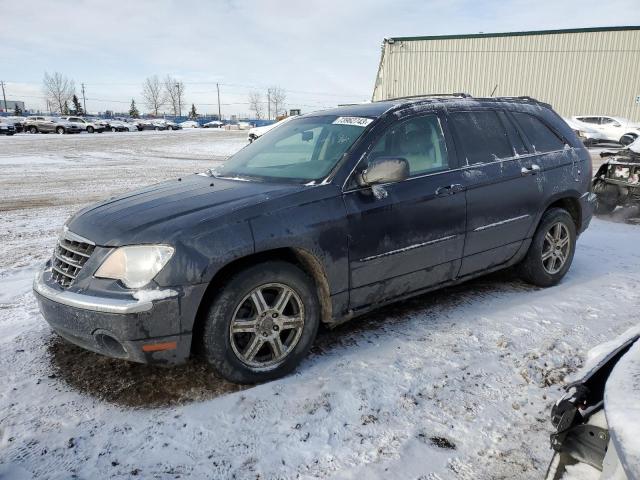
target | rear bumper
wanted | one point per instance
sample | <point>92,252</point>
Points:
<point>587,207</point>
<point>145,331</point>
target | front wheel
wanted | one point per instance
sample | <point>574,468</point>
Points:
<point>114,129</point>
<point>33,130</point>
<point>60,130</point>
<point>551,251</point>
<point>90,130</point>
<point>262,324</point>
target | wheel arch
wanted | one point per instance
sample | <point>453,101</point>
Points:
<point>299,257</point>
<point>569,203</point>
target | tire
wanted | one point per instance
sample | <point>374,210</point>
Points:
<point>60,130</point>
<point>224,350</point>
<point>533,268</point>
<point>90,130</point>
<point>169,128</point>
<point>114,129</point>
<point>606,197</point>
<point>157,129</point>
<point>627,139</point>
<point>33,130</point>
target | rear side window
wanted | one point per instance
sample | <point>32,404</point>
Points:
<point>541,137</point>
<point>482,135</point>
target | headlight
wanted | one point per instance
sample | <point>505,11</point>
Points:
<point>135,266</point>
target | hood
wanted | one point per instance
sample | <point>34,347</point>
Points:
<point>158,213</point>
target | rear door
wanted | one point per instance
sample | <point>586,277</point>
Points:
<point>502,189</point>
<point>411,236</point>
<point>559,164</point>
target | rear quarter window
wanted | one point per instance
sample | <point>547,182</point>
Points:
<point>541,137</point>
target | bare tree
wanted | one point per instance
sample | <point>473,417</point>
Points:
<point>153,95</point>
<point>175,94</point>
<point>256,105</point>
<point>277,98</point>
<point>58,90</point>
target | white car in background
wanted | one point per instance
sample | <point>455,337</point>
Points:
<point>190,124</point>
<point>257,132</point>
<point>603,128</point>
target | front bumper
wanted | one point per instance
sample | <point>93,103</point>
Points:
<point>145,331</point>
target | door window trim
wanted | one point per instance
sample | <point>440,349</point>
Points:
<point>450,147</point>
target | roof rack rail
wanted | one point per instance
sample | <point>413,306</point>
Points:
<point>407,97</point>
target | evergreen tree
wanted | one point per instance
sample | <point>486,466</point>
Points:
<point>133,110</point>
<point>16,111</point>
<point>193,114</point>
<point>65,108</point>
<point>76,105</point>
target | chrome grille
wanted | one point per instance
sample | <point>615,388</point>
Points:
<point>69,256</point>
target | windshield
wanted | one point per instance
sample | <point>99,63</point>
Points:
<point>301,150</point>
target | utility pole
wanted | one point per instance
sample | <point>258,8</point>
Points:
<point>84,100</point>
<point>219,112</point>
<point>179,100</point>
<point>4,96</point>
<point>268,104</point>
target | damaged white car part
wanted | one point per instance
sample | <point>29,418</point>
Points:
<point>135,266</point>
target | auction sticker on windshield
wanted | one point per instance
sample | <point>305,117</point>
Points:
<point>356,121</point>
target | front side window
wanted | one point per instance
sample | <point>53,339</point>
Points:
<point>419,140</point>
<point>482,135</point>
<point>302,150</point>
<point>540,136</point>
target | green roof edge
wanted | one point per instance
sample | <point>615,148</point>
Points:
<point>515,34</point>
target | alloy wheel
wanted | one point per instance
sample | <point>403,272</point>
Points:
<point>267,325</point>
<point>556,248</point>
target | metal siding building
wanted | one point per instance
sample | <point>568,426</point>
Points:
<point>579,71</point>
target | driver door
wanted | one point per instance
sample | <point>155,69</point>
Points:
<point>411,236</point>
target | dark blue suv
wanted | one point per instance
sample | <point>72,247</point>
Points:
<point>322,219</point>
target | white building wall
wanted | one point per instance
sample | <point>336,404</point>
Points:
<point>578,72</point>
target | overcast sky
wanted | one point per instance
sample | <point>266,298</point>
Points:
<point>322,52</point>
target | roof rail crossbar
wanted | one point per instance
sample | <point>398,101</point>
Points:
<point>461,95</point>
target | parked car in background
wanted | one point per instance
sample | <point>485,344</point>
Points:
<point>257,132</point>
<point>86,125</point>
<point>587,134</point>
<point>323,219</point>
<point>213,124</point>
<point>190,124</point>
<point>42,124</point>
<point>150,124</point>
<point>117,125</point>
<point>169,125</point>
<point>17,122</point>
<point>597,421</point>
<point>604,128</point>
<point>617,181</point>
<point>6,128</point>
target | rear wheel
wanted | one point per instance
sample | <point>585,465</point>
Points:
<point>262,324</point>
<point>114,129</point>
<point>551,251</point>
<point>90,130</point>
<point>60,130</point>
<point>33,130</point>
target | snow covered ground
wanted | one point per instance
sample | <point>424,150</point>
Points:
<point>454,384</point>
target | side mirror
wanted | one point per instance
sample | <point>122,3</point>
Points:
<point>384,170</point>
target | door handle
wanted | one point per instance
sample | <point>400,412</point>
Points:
<point>449,189</point>
<point>532,170</point>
